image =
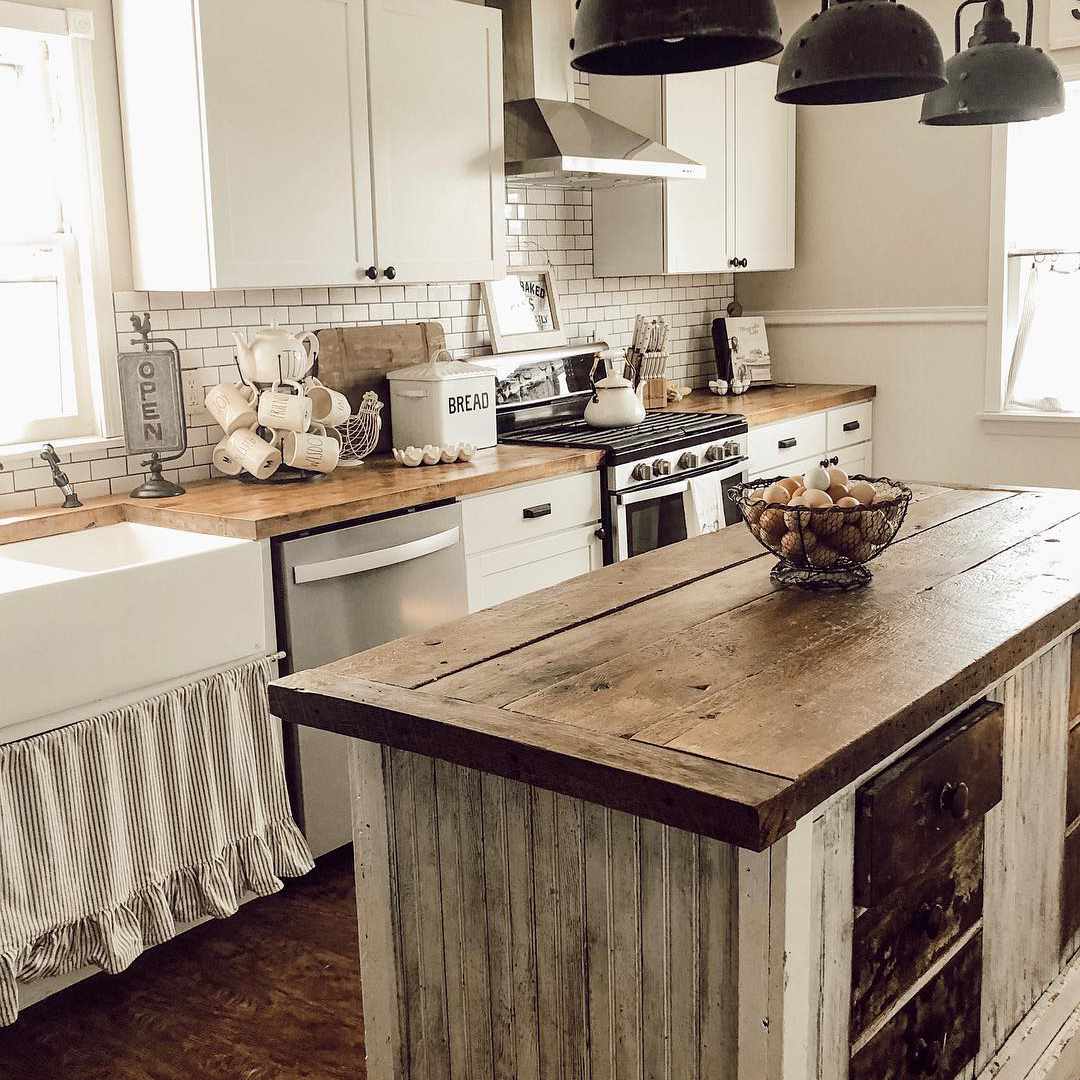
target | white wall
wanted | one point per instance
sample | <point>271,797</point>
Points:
<point>894,215</point>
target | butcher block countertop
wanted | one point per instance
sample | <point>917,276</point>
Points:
<point>258,511</point>
<point>767,405</point>
<point>683,686</point>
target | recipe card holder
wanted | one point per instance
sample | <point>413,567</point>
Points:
<point>152,401</point>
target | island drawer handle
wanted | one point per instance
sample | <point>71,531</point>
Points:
<point>374,560</point>
<point>852,425</point>
<point>536,511</point>
<point>955,799</point>
<point>786,444</point>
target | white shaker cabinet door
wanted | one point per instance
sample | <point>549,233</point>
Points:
<point>435,78</point>
<point>698,213</point>
<point>763,171</point>
<point>287,141</point>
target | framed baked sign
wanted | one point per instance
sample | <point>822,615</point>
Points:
<point>151,401</point>
<point>523,311</point>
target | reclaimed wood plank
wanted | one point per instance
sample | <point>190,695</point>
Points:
<point>682,790</point>
<point>377,906</point>
<point>624,901</point>
<point>545,930</point>
<point>718,969</point>
<point>570,922</point>
<point>655,955</point>
<point>811,717</point>
<point>414,661</point>
<point>659,672</point>
<point>1024,848</point>
<point>683,931</point>
<point>599,954</point>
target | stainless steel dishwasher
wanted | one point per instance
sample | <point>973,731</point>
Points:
<point>343,590</point>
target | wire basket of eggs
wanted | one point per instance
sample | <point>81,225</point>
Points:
<point>824,526</point>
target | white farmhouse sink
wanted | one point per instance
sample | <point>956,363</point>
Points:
<point>94,615</point>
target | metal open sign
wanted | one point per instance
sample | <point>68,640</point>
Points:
<point>150,396</point>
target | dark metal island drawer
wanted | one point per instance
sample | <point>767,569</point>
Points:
<point>909,814</point>
<point>936,1033</point>
<point>895,944</point>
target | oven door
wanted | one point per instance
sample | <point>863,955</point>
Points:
<point>652,517</point>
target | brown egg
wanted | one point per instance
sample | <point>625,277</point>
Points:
<point>838,476</point>
<point>800,490</point>
<point>772,522</point>
<point>776,493</point>
<point>823,557</point>
<point>828,522</point>
<point>795,545</point>
<point>792,483</point>
<point>863,491</point>
<point>876,527</point>
<point>816,498</point>
<point>850,541</point>
<point>847,502</point>
<point>838,491</point>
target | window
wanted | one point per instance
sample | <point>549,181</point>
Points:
<point>50,348</point>
<point>1041,362</point>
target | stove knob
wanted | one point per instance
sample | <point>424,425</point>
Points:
<point>661,467</point>
<point>716,452</point>
<point>642,472</point>
<point>732,449</point>
<point>689,460</point>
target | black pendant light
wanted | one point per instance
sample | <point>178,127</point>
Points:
<point>996,80</point>
<point>661,37</point>
<point>860,50</point>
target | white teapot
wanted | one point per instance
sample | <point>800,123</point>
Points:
<point>273,355</point>
<point>614,404</point>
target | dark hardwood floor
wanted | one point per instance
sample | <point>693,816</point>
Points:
<point>270,994</point>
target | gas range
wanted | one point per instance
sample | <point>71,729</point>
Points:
<point>649,477</point>
<point>662,445</point>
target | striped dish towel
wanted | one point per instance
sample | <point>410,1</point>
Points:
<point>115,829</point>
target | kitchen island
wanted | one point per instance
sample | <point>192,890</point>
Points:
<point>665,820</point>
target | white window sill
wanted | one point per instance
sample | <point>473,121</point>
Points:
<point>16,455</point>
<point>1032,424</point>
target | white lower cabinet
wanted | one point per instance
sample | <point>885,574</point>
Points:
<point>840,437</point>
<point>530,536</point>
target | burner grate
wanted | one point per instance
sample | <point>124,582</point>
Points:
<point>658,430</point>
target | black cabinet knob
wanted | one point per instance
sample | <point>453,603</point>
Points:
<point>733,261</point>
<point>601,533</point>
<point>744,262</point>
<point>390,273</point>
<point>955,799</point>
<point>825,462</point>
<point>372,273</point>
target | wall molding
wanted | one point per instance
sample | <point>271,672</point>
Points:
<point>874,316</point>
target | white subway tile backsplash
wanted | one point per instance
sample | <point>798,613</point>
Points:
<point>543,226</point>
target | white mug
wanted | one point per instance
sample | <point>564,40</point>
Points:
<point>329,407</point>
<point>283,411</point>
<point>315,452</point>
<point>261,457</point>
<point>224,461</point>
<point>232,405</point>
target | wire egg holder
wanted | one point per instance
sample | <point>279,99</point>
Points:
<point>360,433</point>
<point>824,548</point>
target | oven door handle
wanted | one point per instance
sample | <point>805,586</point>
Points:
<point>732,467</point>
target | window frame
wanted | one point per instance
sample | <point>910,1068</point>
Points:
<point>89,336</point>
<point>996,414</point>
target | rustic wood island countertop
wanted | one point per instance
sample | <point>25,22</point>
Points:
<point>682,686</point>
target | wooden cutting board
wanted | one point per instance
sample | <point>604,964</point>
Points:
<point>355,359</point>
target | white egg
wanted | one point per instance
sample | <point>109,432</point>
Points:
<point>817,478</point>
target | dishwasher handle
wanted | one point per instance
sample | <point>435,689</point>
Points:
<point>374,560</point>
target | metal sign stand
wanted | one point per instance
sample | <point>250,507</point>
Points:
<point>156,486</point>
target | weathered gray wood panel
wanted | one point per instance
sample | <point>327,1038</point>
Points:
<point>533,935</point>
<point>1024,845</point>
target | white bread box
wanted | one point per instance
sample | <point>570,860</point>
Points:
<point>443,402</point>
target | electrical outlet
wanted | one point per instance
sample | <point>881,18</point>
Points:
<point>194,394</point>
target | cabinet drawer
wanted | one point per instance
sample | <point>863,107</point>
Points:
<point>851,424</point>
<point>898,941</point>
<point>936,1033</point>
<point>497,576</point>
<point>914,810</point>
<point>776,446</point>
<point>528,511</point>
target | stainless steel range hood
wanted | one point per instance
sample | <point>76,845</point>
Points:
<point>550,140</point>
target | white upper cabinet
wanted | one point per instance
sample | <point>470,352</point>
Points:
<point>729,121</point>
<point>297,142</point>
